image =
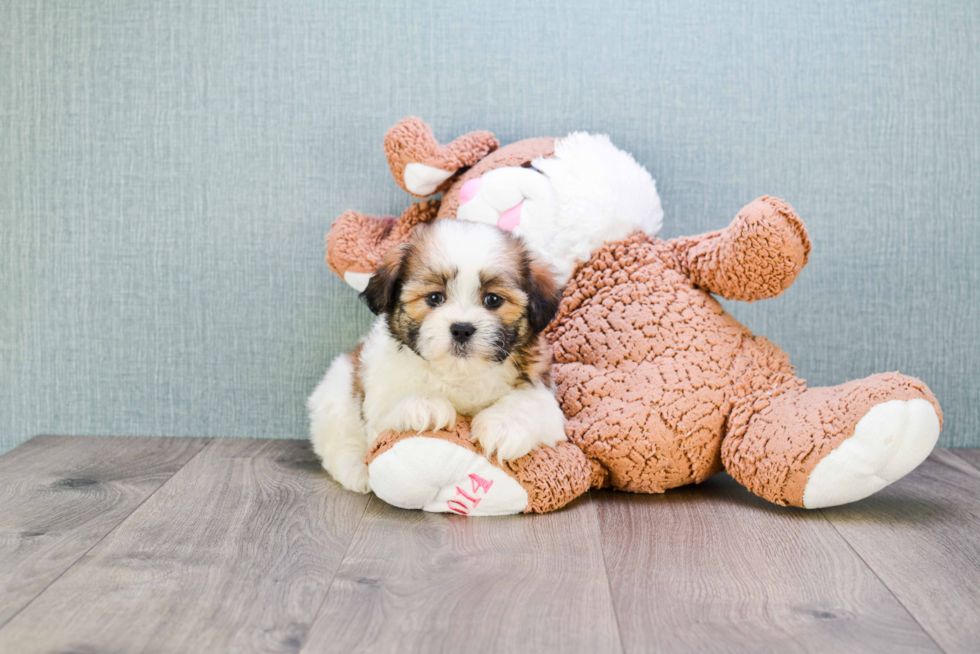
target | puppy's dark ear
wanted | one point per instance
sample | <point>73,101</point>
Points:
<point>383,288</point>
<point>543,294</point>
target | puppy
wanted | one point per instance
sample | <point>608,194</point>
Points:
<point>460,310</point>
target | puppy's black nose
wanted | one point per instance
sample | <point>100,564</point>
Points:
<point>462,331</point>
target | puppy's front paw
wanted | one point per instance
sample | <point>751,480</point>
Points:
<point>518,423</point>
<point>500,433</point>
<point>422,413</point>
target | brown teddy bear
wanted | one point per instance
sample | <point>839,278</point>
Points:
<point>659,385</point>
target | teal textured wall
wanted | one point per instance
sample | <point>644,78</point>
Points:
<point>168,172</point>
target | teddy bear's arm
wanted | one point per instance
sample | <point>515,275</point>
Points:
<point>357,242</point>
<point>758,256</point>
<point>421,166</point>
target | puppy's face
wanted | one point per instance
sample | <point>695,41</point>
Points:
<point>463,295</point>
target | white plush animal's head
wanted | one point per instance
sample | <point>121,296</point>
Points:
<point>565,206</point>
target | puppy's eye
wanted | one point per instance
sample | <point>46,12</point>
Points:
<point>435,299</point>
<point>492,300</point>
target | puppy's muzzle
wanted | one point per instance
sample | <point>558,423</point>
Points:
<point>462,331</point>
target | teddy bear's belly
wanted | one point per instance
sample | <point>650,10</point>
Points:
<point>645,372</point>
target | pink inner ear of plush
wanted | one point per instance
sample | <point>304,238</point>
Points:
<point>470,189</point>
<point>510,219</point>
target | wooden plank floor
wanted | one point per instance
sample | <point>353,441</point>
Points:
<point>196,545</point>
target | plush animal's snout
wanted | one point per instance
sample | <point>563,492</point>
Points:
<point>508,220</point>
<point>462,331</point>
<point>506,197</point>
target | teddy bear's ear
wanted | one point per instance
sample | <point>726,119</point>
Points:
<point>421,166</point>
<point>357,242</point>
<point>544,295</point>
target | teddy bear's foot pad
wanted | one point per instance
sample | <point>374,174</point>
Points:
<point>888,442</point>
<point>437,475</point>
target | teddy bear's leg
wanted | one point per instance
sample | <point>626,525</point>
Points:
<point>445,472</point>
<point>422,166</point>
<point>357,242</point>
<point>828,446</point>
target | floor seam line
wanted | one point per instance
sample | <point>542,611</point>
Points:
<point>343,558</point>
<point>882,581</point>
<point>605,569</point>
<point>104,536</point>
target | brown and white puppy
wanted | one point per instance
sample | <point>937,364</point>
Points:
<point>460,310</point>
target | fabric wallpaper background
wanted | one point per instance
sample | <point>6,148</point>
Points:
<point>168,172</point>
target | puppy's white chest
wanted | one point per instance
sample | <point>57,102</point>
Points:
<point>392,373</point>
<point>472,395</point>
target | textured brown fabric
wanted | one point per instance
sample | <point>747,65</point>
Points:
<point>458,435</point>
<point>411,141</point>
<point>649,366</point>
<point>357,242</point>
<point>659,384</point>
<point>773,450</point>
<point>552,477</point>
<point>757,257</point>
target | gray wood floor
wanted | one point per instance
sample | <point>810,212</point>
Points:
<point>197,545</point>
